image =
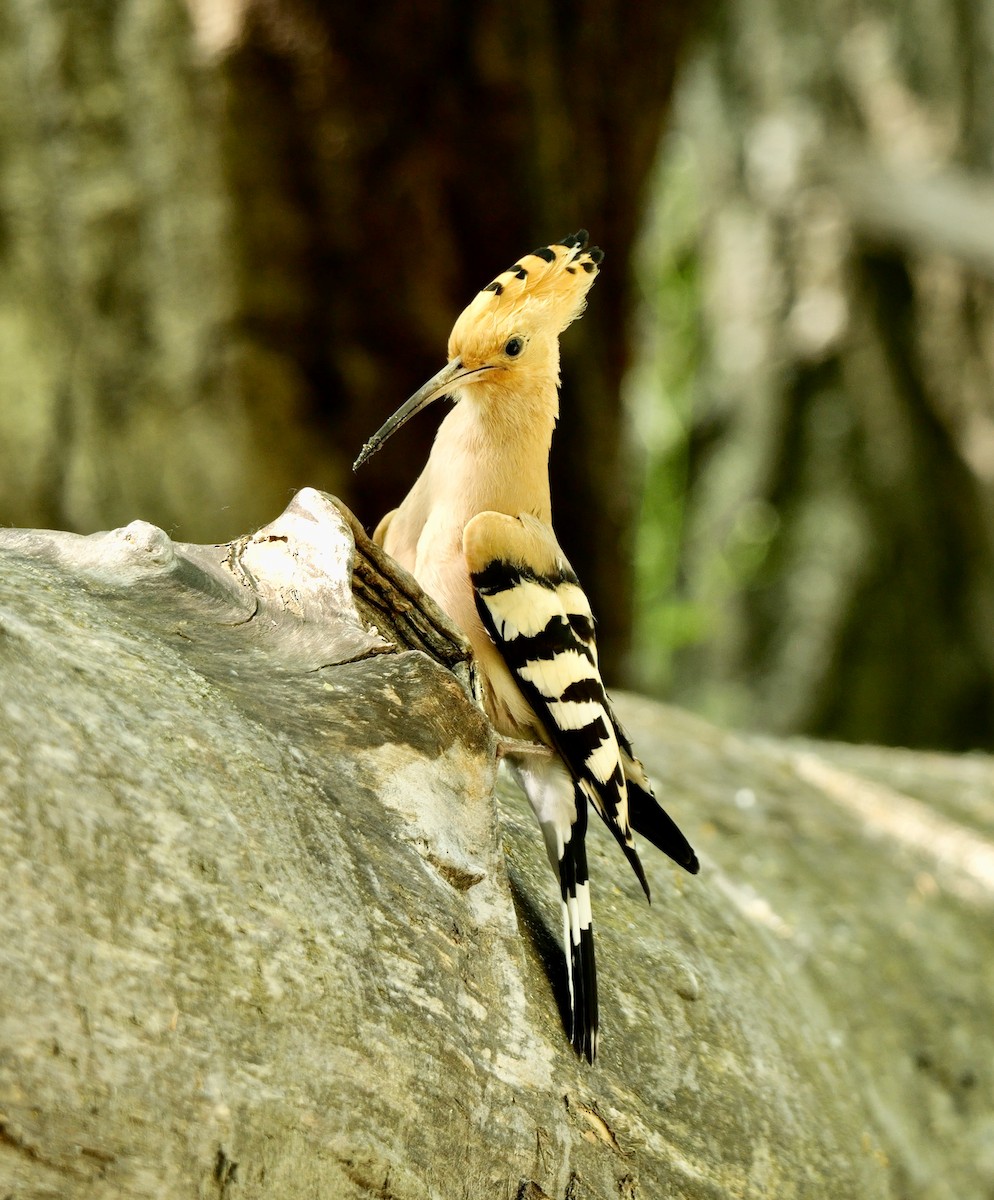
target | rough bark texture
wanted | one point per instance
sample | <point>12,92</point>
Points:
<point>842,493</point>
<point>264,932</point>
<point>123,378</point>
<point>234,236</point>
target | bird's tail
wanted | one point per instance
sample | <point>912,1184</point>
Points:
<point>561,809</point>
<point>578,935</point>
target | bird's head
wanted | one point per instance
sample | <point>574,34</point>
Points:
<point>506,341</point>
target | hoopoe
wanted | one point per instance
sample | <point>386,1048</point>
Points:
<point>476,532</point>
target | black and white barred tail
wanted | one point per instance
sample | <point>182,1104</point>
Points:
<point>561,811</point>
<point>578,937</point>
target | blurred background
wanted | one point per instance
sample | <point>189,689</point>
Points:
<point>234,235</point>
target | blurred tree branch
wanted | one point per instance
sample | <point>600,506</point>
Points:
<point>840,520</point>
<point>943,212</point>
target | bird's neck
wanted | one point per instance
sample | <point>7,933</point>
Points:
<point>491,453</point>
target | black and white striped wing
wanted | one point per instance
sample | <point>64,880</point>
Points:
<point>645,814</point>
<point>532,606</point>
<point>542,626</point>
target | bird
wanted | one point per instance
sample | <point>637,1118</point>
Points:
<point>476,532</point>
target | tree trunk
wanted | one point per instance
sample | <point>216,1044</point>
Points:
<point>264,931</point>
<point>841,511</point>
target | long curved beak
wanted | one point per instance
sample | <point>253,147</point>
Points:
<point>451,375</point>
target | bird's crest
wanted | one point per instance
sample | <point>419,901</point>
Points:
<point>545,290</point>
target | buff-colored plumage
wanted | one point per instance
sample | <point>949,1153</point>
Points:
<point>491,453</point>
<point>543,293</point>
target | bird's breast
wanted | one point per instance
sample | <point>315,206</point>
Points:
<point>440,567</point>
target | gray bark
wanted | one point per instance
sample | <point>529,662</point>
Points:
<point>264,930</point>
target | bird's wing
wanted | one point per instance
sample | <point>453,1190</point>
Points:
<point>646,815</point>
<point>380,532</point>
<point>534,610</point>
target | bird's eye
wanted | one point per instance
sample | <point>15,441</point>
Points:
<point>514,347</point>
